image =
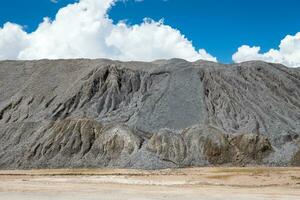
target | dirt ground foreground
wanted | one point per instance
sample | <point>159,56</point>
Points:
<point>121,184</point>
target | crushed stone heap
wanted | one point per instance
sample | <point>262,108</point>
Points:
<point>167,113</point>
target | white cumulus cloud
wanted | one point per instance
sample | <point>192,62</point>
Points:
<point>84,30</point>
<point>288,52</point>
<point>12,41</point>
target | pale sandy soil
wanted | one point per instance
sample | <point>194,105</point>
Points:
<point>173,184</point>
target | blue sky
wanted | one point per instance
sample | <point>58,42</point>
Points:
<point>221,26</point>
<point>218,26</point>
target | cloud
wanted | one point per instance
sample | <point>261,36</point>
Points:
<point>84,30</point>
<point>288,52</point>
<point>12,41</point>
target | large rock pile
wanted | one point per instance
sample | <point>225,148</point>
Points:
<point>168,113</point>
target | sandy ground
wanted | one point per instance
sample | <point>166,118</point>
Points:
<point>171,184</point>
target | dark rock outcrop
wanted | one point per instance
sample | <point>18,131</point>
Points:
<point>168,113</point>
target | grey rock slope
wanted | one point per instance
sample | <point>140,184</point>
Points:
<point>168,113</point>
